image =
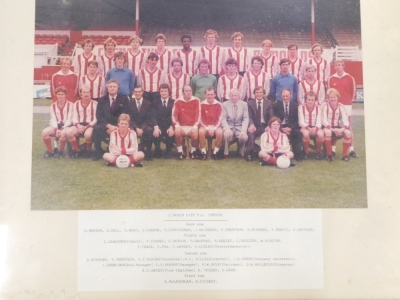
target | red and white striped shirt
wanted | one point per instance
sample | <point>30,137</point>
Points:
<point>317,87</point>
<point>190,61</point>
<point>323,69</point>
<point>164,60</point>
<point>106,63</point>
<point>97,85</point>
<point>123,144</point>
<point>84,114</point>
<point>135,62</point>
<point>274,145</point>
<point>334,117</point>
<point>150,81</point>
<point>309,118</point>
<point>242,58</point>
<point>271,66</point>
<point>296,68</point>
<point>251,81</point>
<point>214,56</point>
<point>177,83</point>
<point>61,115</point>
<point>225,84</point>
<point>81,63</point>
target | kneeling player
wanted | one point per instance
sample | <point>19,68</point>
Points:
<point>336,124</point>
<point>274,144</point>
<point>84,118</point>
<point>310,123</point>
<point>60,119</point>
<point>123,141</point>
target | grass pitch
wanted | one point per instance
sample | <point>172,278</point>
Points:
<point>80,184</point>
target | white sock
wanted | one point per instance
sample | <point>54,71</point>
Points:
<point>203,151</point>
<point>193,150</point>
<point>179,148</point>
<point>216,150</point>
<point>334,148</point>
<point>351,148</point>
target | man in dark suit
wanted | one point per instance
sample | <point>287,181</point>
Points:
<point>140,111</point>
<point>162,112</point>
<point>287,111</point>
<point>108,110</point>
<point>260,111</point>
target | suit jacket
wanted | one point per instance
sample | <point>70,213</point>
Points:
<point>105,115</point>
<point>140,119</point>
<point>161,116</point>
<point>293,118</point>
<point>267,111</point>
<point>242,118</point>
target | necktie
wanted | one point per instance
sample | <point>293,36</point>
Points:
<point>113,105</point>
<point>138,105</point>
<point>165,103</point>
<point>286,113</point>
<point>259,112</point>
<point>235,112</point>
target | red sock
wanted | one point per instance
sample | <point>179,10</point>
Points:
<point>74,144</point>
<point>345,149</point>
<point>271,160</point>
<point>328,145</point>
<point>319,146</point>
<point>88,145</point>
<point>47,142</point>
<point>114,162</point>
<point>62,145</point>
<point>305,146</point>
<point>132,159</point>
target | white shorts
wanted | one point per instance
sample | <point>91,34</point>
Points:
<point>349,109</point>
<point>186,129</point>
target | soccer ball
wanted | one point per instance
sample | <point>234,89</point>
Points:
<point>122,162</point>
<point>283,162</point>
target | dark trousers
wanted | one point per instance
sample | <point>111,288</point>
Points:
<point>252,137</point>
<point>164,137</point>
<point>296,140</point>
<point>99,134</point>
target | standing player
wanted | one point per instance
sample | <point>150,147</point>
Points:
<point>239,53</point>
<point>65,78</point>
<point>311,83</point>
<point>122,75</point>
<point>186,119</point>
<point>231,79</point>
<point>150,78</point>
<point>256,77</point>
<point>270,61</point>
<point>135,58</point>
<point>177,79</point>
<point>274,144</point>
<point>81,61</point>
<point>164,55</point>
<point>188,55</point>
<point>162,121</point>
<point>94,80</point>
<point>210,124</point>
<point>336,124</point>
<point>123,141</point>
<point>310,123</point>
<point>296,63</point>
<point>203,80</point>
<point>212,52</point>
<point>83,120</point>
<point>345,85</point>
<point>284,80</point>
<point>107,59</point>
<point>60,119</point>
<point>321,65</point>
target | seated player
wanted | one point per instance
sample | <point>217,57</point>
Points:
<point>310,123</point>
<point>260,111</point>
<point>140,112</point>
<point>231,79</point>
<point>150,78</point>
<point>123,141</point>
<point>135,58</point>
<point>60,119</point>
<point>311,83</point>
<point>238,52</point>
<point>177,79</point>
<point>81,61</point>
<point>210,124</point>
<point>186,119</point>
<point>162,121</point>
<point>108,110</point>
<point>107,58</point>
<point>235,121</point>
<point>335,124</point>
<point>65,78</point>
<point>83,120</point>
<point>94,80</point>
<point>256,77</point>
<point>273,144</point>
